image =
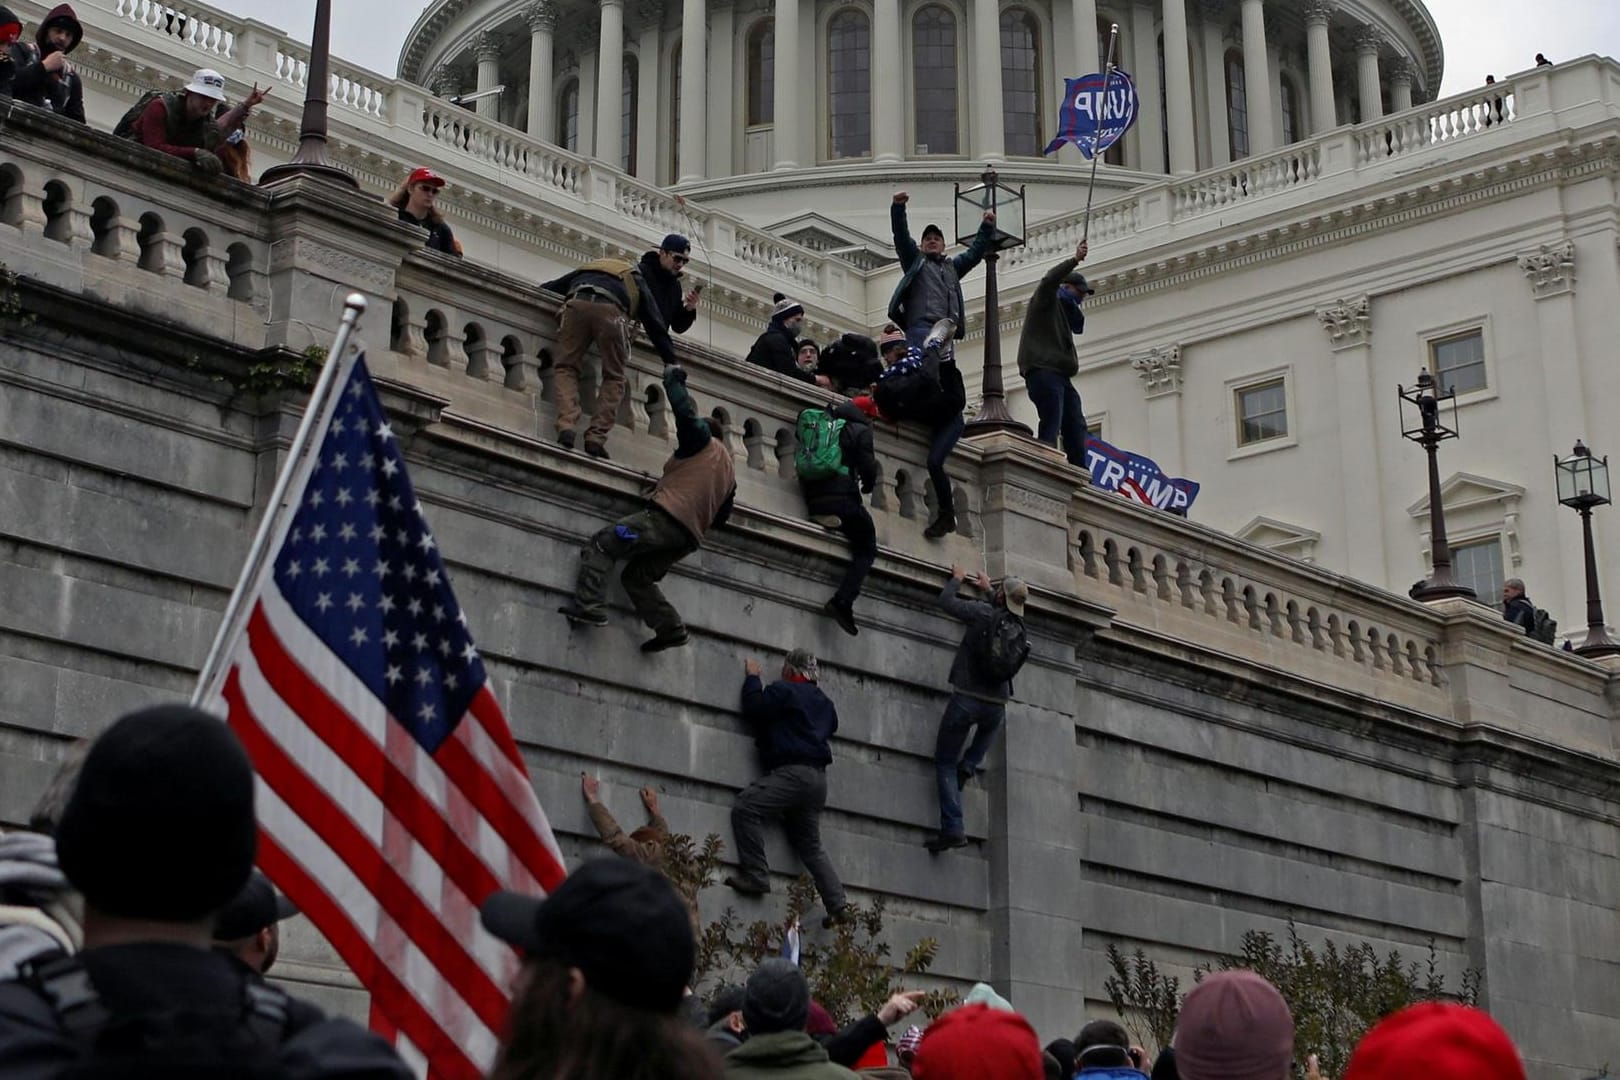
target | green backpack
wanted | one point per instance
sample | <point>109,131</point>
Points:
<point>819,456</point>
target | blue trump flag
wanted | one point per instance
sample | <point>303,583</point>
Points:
<point>1091,119</point>
<point>1113,469</point>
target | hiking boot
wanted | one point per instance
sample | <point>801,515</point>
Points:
<point>565,439</point>
<point>838,917</point>
<point>747,885</point>
<point>596,450</point>
<point>941,526</point>
<point>944,842</point>
<point>666,641</point>
<point>963,775</point>
<point>940,333</point>
<point>579,616</point>
<point>843,616</point>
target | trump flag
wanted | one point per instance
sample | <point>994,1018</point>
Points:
<point>1093,118</point>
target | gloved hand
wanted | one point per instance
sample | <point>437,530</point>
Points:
<point>207,162</point>
<point>676,372</point>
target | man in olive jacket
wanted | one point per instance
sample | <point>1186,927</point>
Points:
<point>1047,358</point>
<point>776,1005</point>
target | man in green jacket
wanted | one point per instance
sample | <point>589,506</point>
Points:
<point>1047,358</point>
<point>776,1006</point>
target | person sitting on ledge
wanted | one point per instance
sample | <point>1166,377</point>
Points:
<point>415,200</point>
<point>183,122</point>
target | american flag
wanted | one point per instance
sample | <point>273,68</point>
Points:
<point>392,798</point>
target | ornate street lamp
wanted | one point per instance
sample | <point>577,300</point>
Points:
<point>1008,206</point>
<point>1583,482</point>
<point>311,157</point>
<point>1429,432</point>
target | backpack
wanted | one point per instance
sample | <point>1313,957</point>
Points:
<point>1000,646</point>
<point>125,128</point>
<point>819,455</point>
<point>174,1044</point>
<point>1545,628</point>
<point>908,388</point>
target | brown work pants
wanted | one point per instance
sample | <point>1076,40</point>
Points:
<point>584,322</point>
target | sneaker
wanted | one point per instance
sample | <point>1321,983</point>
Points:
<point>665,641</point>
<point>596,450</point>
<point>940,333</point>
<point>843,616</point>
<point>944,842</point>
<point>838,917</point>
<point>748,886</point>
<point>565,439</point>
<point>963,775</point>
<point>941,526</point>
<point>579,616</point>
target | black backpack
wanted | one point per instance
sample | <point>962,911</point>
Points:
<point>125,128</point>
<point>909,389</point>
<point>1545,627</point>
<point>1000,646</point>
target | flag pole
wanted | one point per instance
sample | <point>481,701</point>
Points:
<point>298,466</point>
<point>1108,74</point>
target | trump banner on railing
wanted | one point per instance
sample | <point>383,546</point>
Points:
<point>1094,118</point>
<point>1137,478</point>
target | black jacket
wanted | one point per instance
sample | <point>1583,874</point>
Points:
<point>1521,611</point>
<point>440,238</point>
<point>792,722</point>
<point>29,82</point>
<point>666,288</point>
<point>851,363</point>
<point>649,315</point>
<point>849,1042</point>
<point>840,494</point>
<point>778,349</point>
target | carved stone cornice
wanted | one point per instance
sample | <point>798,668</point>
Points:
<point>649,14</point>
<point>1348,322</point>
<point>1317,12</point>
<point>1369,40</point>
<point>1159,369</point>
<point>541,15</point>
<point>1551,269</point>
<point>487,46</point>
<point>1400,69</point>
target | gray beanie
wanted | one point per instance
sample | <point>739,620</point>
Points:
<point>776,998</point>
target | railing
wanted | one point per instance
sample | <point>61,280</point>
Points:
<point>1250,178</point>
<point>1445,122</point>
<point>195,26</point>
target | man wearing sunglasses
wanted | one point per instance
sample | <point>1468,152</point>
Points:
<point>662,270</point>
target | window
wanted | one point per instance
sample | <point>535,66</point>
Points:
<point>762,73</point>
<point>1237,106</point>
<point>568,116</point>
<point>1164,104</point>
<point>675,113</point>
<point>1290,111</point>
<point>1459,361</point>
<point>933,79</point>
<point>1262,412</point>
<point>1478,565</point>
<point>1114,155</point>
<point>1021,83</point>
<point>627,115</point>
<point>849,84</point>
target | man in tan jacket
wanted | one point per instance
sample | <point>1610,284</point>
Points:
<point>693,496</point>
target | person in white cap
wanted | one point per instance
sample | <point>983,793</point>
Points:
<point>189,123</point>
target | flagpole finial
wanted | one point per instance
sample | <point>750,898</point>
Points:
<point>355,302</point>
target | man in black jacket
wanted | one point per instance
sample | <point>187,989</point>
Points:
<point>1517,607</point>
<point>662,270</point>
<point>837,502</point>
<point>42,75</point>
<point>1047,358</point>
<point>778,347</point>
<point>792,722</point>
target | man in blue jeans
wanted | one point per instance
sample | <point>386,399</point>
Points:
<point>978,705</point>
<point>1047,358</point>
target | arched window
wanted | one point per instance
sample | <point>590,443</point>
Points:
<point>1021,82</point>
<point>762,73</point>
<point>1114,155</point>
<point>1237,105</point>
<point>933,79</point>
<point>568,116</point>
<point>849,84</point>
<point>1290,111</point>
<point>675,113</point>
<point>629,99</point>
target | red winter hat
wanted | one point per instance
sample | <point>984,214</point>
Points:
<point>820,1021</point>
<point>977,1042</point>
<point>1436,1041</point>
<point>866,404</point>
<point>1234,1026</point>
<point>425,176</point>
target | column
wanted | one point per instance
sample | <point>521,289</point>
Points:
<point>888,88</point>
<point>723,129</point>
<point>1319,57</point>
<point>1160,372</point>
<point>1257,79</point>
<point>610,83</point>
<point>1214,37</point>
<point>694,89</point>
<point>1149,128</point>
<point>650,87</point>
<point>1401,77</point>
<point>788,91</point>
<point>1274,66</point>
<point>487,48</point>
<point>1084,35</point>
<point>542,19</point>
<point>989,138</point>
<point>1368,42</point>
<point>1178,88</point>
<point>585,49</point>
<point>1349,327</point>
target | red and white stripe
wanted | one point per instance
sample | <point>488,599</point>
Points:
<point>386,848</point>
<point>1134,492</point>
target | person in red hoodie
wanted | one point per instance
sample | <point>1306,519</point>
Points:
<point>189,124</point>
<point>41,72</point>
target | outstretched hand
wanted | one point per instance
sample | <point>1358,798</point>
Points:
<point>256,96</point>
<point>590,786</point>
<point>957,573</point>
<point>900,198</point>
<point>649,799</point>
<point>989,217</point>
<point>1081,250</point>
<point>751,667</point>
<point>983,582</point>
<point>900,1006</point>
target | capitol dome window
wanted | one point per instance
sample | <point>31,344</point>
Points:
<point>627,114</point>
<point>1021,83</point>
<point>568,116</point>
<point>1290,111</point>
<point>849,84</point>
<point>934,79</point>
<point>1237,105</point>
<point>762,73</point>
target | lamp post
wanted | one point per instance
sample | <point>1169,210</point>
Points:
<point>1429,432</point>
<point>311,157</point>
<point>1008,206</point>
<point>1583,482</point>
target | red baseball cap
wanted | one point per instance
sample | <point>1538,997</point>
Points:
<point>1436,1041</point>
<point>425,176</point>
<point>976,1042</point>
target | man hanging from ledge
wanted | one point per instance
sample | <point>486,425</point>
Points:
<point>693,496</point>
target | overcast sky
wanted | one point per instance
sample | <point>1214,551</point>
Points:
<point>1481,36</point>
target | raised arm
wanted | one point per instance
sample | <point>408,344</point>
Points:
<point>904,246</point>
<point>983,241</point>
<point>691,432</point>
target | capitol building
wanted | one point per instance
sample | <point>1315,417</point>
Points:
<point>1295,226</point>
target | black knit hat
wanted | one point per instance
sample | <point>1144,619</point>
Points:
<point>620,923</point>
<point>160,823</point>
<point>776,998</point>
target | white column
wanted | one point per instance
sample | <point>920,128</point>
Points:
<point>487,48</point>
<point>788,91</point>
<point>722,100</point>
<point>649,87</point>
<point>1274,67</point>
<point>1257,79</point>
<point>1149,118</point>
<point>888,92</point>
<point>1349,327</point>
<point>1319,55</point>
<point>989,138</point>
<point>1086,61</point>
<point>610,83</point>
<point>542,19</point>
<point>1178,88</point>
<point>1401,77</point>
<point>1160,371</point>
<point>1214,35</point>
<point>694,89</point>
<point>1368,42</point>
<point>587,97</point>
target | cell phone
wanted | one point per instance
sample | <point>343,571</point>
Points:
<point>698,288</point>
